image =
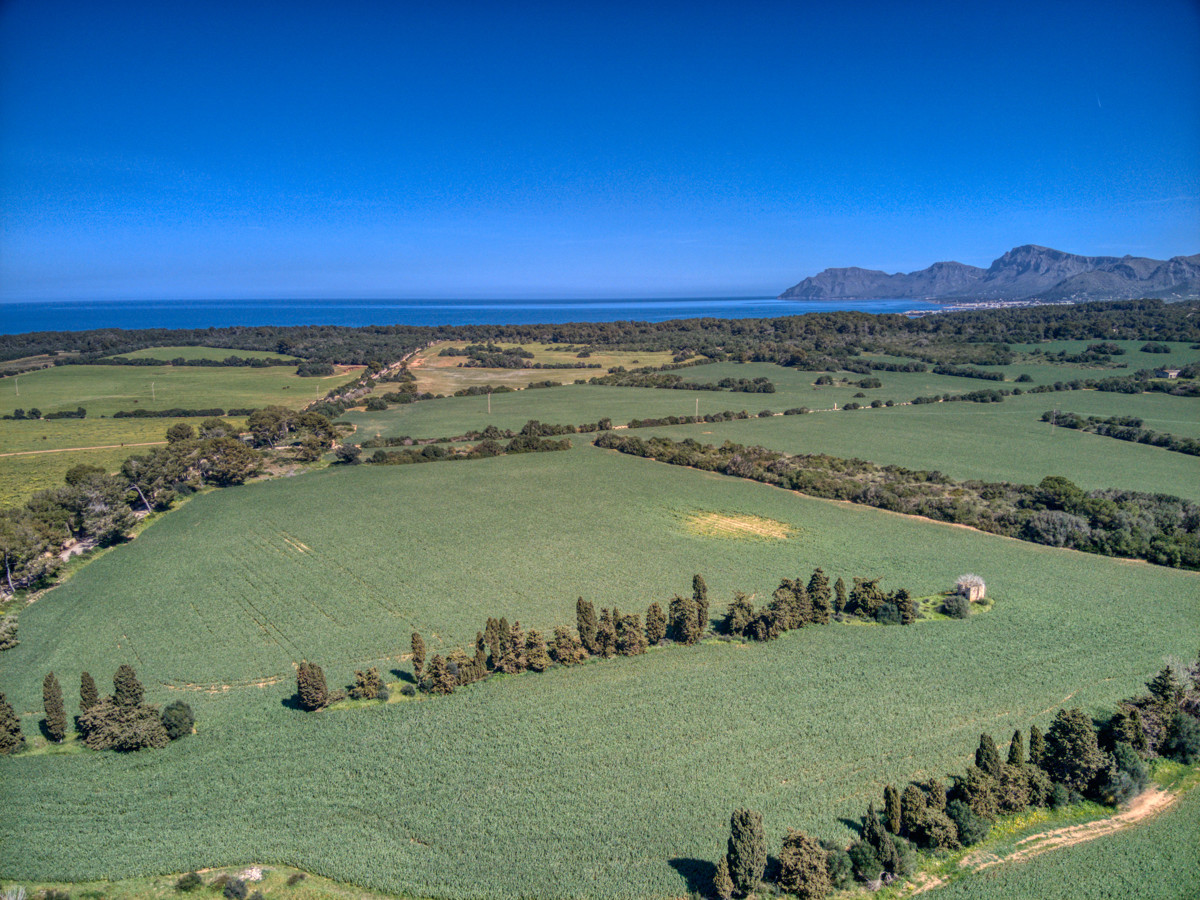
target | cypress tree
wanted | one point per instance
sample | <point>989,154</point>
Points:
<point>517,642</point>
<point>11,739</point>
<point>803,870</point>
<point>685,627</point>
<point>127,690</point>
<point>492,635</point>
<point>739,615</point>
<point>418,651</point>
<point>1037,746</point>
<point>1072,754</point>
<point>310,686</point>
<point>747,853</point>
<point>839,596</point>
<point>630,639</point>
<point>912,810</point>
<point>56,713</point>
<point>802,605</point>
<point>891,809</point>
<point>1016,749</point>
<point>88,695</point>
<point>536,655</point>
<point>722,882</point>
<point>606,635</point>
<point>587,625</point>
<point>700,597</point>
<point>567,649</point>
<point>480,663</point>
<point>880,840</point>
<point>438,679</point>
<point>656,624</point>
<point>821,597</point>
<point>907,606</point>
<point>936,793</point>
<point>987,757</point>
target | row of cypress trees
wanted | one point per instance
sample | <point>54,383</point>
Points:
<point>1071,761</point>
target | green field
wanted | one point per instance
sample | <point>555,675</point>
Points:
<point>170,353</point>
<point>610,780</point>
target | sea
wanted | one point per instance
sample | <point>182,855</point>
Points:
<point>18,317</point>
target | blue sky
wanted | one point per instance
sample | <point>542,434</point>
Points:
<point>461,149</point>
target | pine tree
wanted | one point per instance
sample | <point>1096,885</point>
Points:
<point>88,695</point>
<point>821,597</point>
<point>685,628</point>
<point>310,686</point>
<point>1037,746</point>
<point>722,883</point>
<point>912,810</point>
<point>803,870</point>
<point>891,809</point>
<point>56,713</point>
<point>700,597</point>
<point>587,625</point>
<point>606,635</point>
<point>418,651</point>
<point>987,757</point>
<point>1016,749</point>
<point>438,679</point>
<point>127,690</point>
<point>747,853</point>
<point>839,596</point>
<point>1165,688</point>
<point>11,739</point>
<point>537,657</point>
<point>656,624</point>
<point>630,639</point>
<point>1072,754</point>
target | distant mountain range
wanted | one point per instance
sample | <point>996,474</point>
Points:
<point>1023,273</point>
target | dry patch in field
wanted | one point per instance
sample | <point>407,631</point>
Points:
<point>738,525</point>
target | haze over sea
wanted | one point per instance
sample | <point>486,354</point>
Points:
<point>73,315</point>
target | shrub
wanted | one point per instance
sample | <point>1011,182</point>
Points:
<point>235,889</point>
<point>8,633</point>
<point>178,719</point>
<point>956,606</point>
<point>1183,740</point>
<point>971,828</point>
<point>188,882</point>
<point>802,868</point>
<point>296,877</point>
<point>408,691</point>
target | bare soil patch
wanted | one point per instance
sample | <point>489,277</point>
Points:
<point>732,525</point>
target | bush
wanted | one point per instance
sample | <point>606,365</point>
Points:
<point>1183,740</point>
<point>296,877</point>
<point>188,882</point>
<point>956,606</point>
<point>971,828</point>
<point>1059,796</point>
<point>408,691</point>
<point>235,889</point>
<point>177,718</point>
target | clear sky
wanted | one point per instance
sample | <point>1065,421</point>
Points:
<point>576,149</point>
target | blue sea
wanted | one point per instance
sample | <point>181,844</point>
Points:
<point>72,315</point>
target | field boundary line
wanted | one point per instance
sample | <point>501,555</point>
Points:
<point>81,449</point>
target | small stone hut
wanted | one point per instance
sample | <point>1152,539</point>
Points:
<point>971,587</point>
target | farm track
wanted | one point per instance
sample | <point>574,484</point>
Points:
<point>81,449</point>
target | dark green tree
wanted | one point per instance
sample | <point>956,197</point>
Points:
<point>587,625</point>
<point>1182,743</point>
<point>11,739</point>
<point>1073,754</point>
<point>88,695</point>
<point>747,851</point>
<point>438,679</point>
<point>311,689</point>
<point>891,809</point>
<point>418,654</point>
<point>1016,749</point>
<point>722,882</point>
<point>839,596</point>
<point>1037,746</point>
<point>656,624</point>
<point>739,616</point>
<point>537,657</point>
<point>972,827</point>
<point>631,641</point>
<point>178,719</point>
<point>913,807</point>
<point>684,626</point>
<point>127,690</point>
<point>1126,727</point>
<point>935,791</point>
<point>907,606</point>
<point>977,789</point>
<point>987,757</point>
<point>606,635</point>
<point>492,635</point>
<point>821,597</point>
<point>880,840</point>
<point>123,727</point>
<point>1166,689</point>
<point>700,596</point>
<point>1012,789</point>
<point>56,713</point>
<point>803,870</point>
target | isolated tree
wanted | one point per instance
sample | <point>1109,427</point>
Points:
<point>656,624</point>
<point>537,657</point>
<point>839,596</point>
<point>11,739</point>
<point>438,679</point>
<point>631,640</point>
<point>891,809</point>
<point>821,597</point>
<point>747,852</point>
<point>1016,749</point>
<point>987,757</point>
<point>178,719</point>
<point>684,626</point>
<point>88,695</point>
<point>700,597</point>
<point>1073,754</point>
<point>418,652</point>
<point>56,713</point>
<point>587,624</point>
<point>310,686</point>
<point>127,690</point>
<point>722,882</point>
<point>1037,746</point>
<point>803,870</point>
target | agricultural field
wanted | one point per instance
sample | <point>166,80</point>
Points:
<point>611,780</point>
<point>171,353</point>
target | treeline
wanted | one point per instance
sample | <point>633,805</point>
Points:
<point>966,372</point>
<point>177,412</point>
<point>121,721</point>
<point>671,381</point>
<point>1071,762</point>
<point>485,449</point>
<point>33,413</point>
<point>1159,528</point>
<point>253,362</point>
<point>1123,428</point>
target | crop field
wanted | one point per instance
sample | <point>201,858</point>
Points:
<point>611,780</point>
<point>201,353</point>
<point>23,476</point>
<point>1155,861</point>
<point>103,390</point>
